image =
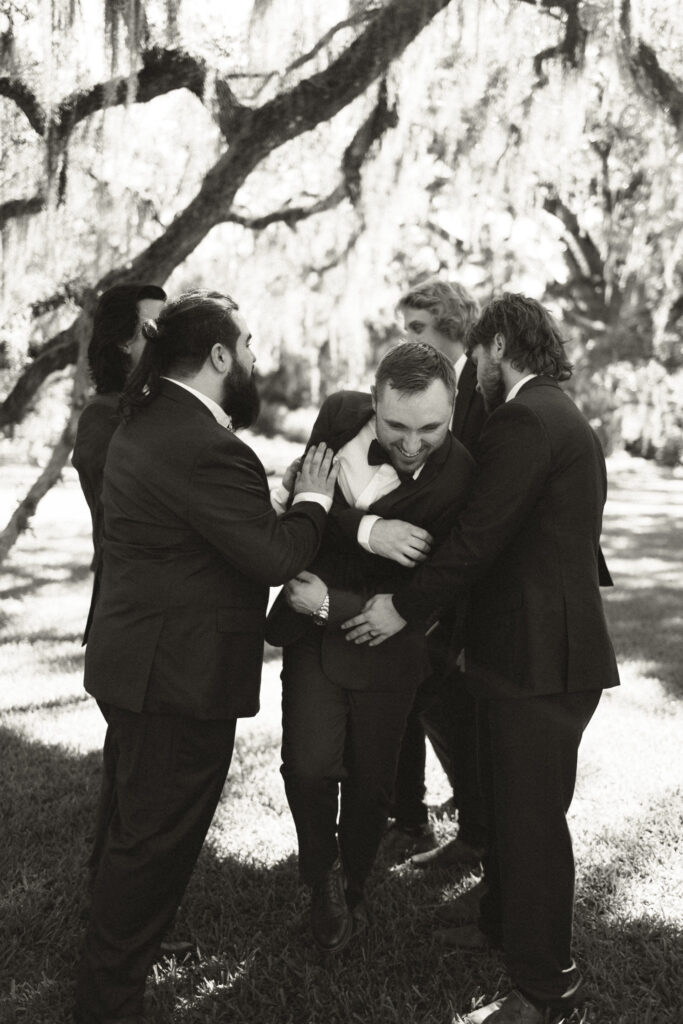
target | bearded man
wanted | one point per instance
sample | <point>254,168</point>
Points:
<point>539,653</point>
<point>191,546</point>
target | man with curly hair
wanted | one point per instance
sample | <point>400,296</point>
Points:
<point>538,648</point>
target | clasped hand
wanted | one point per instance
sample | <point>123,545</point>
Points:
<point>402,542</point>
<point>377,621</point>
<point>305,593</point>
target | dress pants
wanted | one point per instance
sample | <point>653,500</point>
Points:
<point>445,712</point>
<point>529,752</point>
<point>339,753</point>
<point>170,773</point>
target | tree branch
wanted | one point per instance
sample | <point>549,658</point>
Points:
<point>258,132</point>
<point>13,208</point>
<point>649,77</point>
<point>16,90</point>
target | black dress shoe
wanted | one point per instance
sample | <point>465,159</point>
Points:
<point>455,853</point>
<point>331,919</point>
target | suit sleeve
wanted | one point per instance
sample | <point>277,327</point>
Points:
<point>229,505</point>
<point>514,465</point>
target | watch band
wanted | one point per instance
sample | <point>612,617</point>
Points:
<point>321,615</point>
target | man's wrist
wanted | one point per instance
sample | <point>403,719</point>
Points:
<point>322,613</point>
<point>317,496</point>
<point>364,530</point>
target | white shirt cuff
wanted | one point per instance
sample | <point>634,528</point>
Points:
<point>364,527</point>
<point>279,497</point>
<point>321,499</point>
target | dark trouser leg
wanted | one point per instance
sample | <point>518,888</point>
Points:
<point>314,720</point>
<point>106,804</point>
<point>408,806</point>
<point>532,770</point>
<point>450,722</point>
<point>170,772</point>
<point>376,725</point>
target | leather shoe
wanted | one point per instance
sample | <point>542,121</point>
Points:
<point>453,853</point>
<point>401,841</point>
<point>514,1009</point>
<point>464,909</point>
<point>331,920</point>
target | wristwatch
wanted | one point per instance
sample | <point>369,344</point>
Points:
<point>321,615</point>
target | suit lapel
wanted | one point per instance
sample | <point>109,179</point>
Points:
<point>466,386</point>
<point>413,487</point>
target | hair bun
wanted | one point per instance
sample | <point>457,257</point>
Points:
<point>150,330</point>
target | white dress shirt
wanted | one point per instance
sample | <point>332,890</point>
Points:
<point>514,390</point>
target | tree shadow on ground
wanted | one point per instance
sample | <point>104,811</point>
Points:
<point>256,960</point>
<point>25,582</point>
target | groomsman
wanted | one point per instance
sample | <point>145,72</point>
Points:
<point>537,644</point>
<point>113,353</point>
<point>440,313</point>
<point>191,546</point>
<point>402,476</point>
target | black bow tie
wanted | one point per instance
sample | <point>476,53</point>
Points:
<point>377,456</point>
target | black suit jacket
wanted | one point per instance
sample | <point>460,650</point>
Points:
<point>96,426</point>
<point>528,544</point>
<point>470,414</point>
<point>353,574</point>
<point>191,546</point>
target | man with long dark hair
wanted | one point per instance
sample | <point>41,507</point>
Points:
<point>113,353</point>
<point>174,655</point>
<point>538,649</point>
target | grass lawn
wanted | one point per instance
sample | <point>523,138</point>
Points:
<point>256,962</point>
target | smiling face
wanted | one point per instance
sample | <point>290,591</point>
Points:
<point>412,424</point>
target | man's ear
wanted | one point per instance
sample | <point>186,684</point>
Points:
<point>221,359</point>
<point>498,346</point>
<point>373,395</point>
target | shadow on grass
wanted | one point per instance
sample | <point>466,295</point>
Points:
<point>26,582</point>
<point>256,960</point>
<point>644,608</point>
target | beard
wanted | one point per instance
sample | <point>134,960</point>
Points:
<point>492,387</point>
<point>241,400</point>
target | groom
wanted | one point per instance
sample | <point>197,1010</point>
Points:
<point>402,479</point>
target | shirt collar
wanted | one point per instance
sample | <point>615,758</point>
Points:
<point>515,389</point>
<point>459,366</point>
<point>214,408</point>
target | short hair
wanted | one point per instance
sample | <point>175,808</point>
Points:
<point>180,341</point>
<point>454,308</point>
<point>115,322</point>
<point>412,366</point>
<point>533,341</point>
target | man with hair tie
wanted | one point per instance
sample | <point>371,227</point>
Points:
<point>191,547</point>
<point>538,649</point>
<point>344,708</point>
<point>114,351</point>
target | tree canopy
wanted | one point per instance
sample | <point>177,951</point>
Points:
<point>316,159</point>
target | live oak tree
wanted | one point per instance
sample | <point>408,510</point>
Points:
<point>351,152</point>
